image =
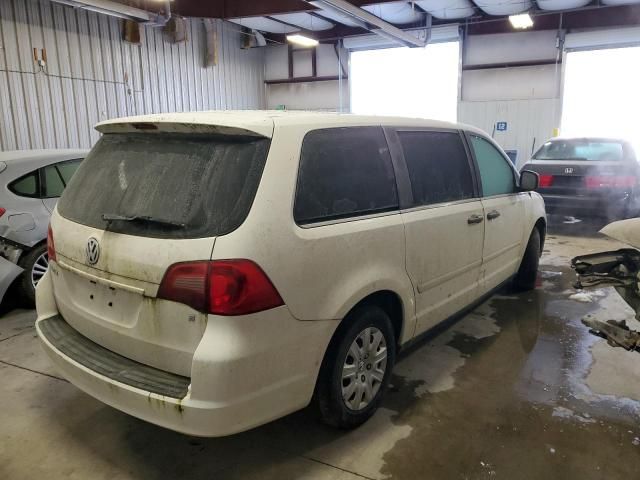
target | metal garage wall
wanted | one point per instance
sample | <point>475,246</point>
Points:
<point>92,75</point>
<point>530,122</point>
<point>528,98</point>
<point>326,95</point>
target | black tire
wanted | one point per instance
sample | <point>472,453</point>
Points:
<point>24,283</point>
<point>527,274</point>
<point>332,408</point>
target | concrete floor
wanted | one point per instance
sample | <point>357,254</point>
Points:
<point>518,389</point>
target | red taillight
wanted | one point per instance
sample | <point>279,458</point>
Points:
<point>51,248</point>
<point>2,210</point>
<point>608,181</point>
<point>545,181</point>
<point>186,283</point>
<point>221,287</point>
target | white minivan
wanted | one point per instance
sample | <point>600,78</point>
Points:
<point>210,272</point>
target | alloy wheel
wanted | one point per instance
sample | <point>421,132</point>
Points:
<point>364,368</point>
<point>40,267</point>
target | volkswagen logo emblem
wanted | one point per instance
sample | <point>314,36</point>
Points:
<point>568,170</point>
<point>92,251</point>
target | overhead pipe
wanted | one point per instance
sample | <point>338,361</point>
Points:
<point>369,21</point>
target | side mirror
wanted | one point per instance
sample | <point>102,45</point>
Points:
<point>529,180</point>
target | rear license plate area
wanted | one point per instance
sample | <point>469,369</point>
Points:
<point>100,300</point>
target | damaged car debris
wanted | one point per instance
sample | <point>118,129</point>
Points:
<point>8,273</point>
<point>619,269</point>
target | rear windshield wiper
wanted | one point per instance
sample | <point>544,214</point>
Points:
<point>110,217</point>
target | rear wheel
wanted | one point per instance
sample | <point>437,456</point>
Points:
<point>356,369</point>
<point>527,274</point>
<point>35,264</point>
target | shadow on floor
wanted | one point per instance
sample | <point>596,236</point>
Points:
<point>10,302</point>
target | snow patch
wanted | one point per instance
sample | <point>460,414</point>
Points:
<point>550,274</point>
<point>581,297</point>
<point>568,414</point>
<point>587,297</point>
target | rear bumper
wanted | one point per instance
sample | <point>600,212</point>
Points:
<point>614,205</point>
<point>246,372</point>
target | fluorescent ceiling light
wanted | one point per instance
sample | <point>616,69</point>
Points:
<point>109,7</point>
<point>521,21</point>
<point>301,40</point>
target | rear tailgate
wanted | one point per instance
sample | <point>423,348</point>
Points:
<point>113,302</point>
<point>138,204</point>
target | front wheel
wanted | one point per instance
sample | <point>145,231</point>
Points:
<point>356,369</point>
<point>527,274</point>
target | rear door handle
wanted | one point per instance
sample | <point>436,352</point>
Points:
<point>473,219</point>
<point>493,214</point>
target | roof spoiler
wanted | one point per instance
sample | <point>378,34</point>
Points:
<point>258,131</point>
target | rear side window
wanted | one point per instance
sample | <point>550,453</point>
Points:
<point>67,169</point>
<point>57,176</point>
<point>438,167</point>
<point>344,172</point>
<point>26,186</point>
<point>495,171</point>
<point>166,185</point>
<point>53,184</point>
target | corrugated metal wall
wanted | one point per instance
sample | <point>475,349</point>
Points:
<point>530,123</point>
<point>528,98</point>
<point>92,75</point>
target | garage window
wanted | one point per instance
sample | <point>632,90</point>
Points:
<point>344,172</point>
<point>413,82</point>
<point>495,172</point>
<point>601,96</point>
<point>438,167</point>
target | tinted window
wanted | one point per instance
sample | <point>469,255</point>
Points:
<point>67,169</point>
<point>438,166</point>
<point>172,185</point>
<point>582,149</point>
<point>344,172</point>
<point>53,184</point>
<point>495,172</point>
<point>26,186</point>
<point>57,176</point>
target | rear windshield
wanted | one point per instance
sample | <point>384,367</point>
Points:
<point>582,149</point>
<point>166,185</point>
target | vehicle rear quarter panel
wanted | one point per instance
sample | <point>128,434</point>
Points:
<point>321,272</point>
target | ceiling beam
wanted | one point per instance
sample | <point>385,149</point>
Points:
<point>376,24</point>
<point>597,17</point>
<point>239,9</point>
<point>321,17</point>
<point>601,17</point>
<point>292,25</point>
